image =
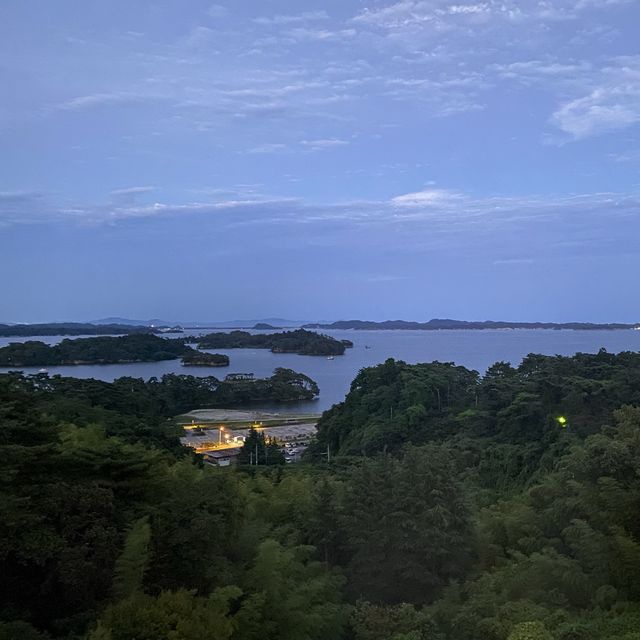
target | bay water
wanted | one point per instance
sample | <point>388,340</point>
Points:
<point>474,349</point>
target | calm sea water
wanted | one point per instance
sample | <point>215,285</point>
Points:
<point>473,349</point>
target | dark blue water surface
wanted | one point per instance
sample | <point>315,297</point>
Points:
<point>473,349</point>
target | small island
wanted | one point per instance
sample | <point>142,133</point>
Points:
<point>285,385</point>
<point>135,347</point>
<point>201,359</point>
<point>300,341</point>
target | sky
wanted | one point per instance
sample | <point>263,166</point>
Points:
<point>320,160</point>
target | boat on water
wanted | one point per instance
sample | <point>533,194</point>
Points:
<point>43,371</point>
<point>330,357</point>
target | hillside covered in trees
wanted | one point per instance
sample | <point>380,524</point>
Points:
<point>300,341</point>
<point>396,403</point>
<point>454,507</point>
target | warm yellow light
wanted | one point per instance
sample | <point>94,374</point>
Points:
<point>562,421</point>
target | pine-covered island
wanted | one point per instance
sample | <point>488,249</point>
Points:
<point>300,341</point>
<point>135,347</point>
<point>201,359</point>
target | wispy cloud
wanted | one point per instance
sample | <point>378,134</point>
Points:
<point>444,95</point>
<point>131,191</point>
<point>428,198</point>
<point>400,14</point>
<point>287,19</point>
<point>438,14</point>
<point>440,211</point>
<point>543,70</point>
<point>445,81</point>
<point>319,35</point>
<point>273,147</point>
<point>323,144</point>
<point>512,231</point>
<point>625,156</point>
<point>442,13</point>
<point>199,208</point>
<point>97,100</point>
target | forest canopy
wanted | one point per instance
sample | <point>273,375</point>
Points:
<point>453,506</point>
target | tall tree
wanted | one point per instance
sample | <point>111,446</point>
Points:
<point>408,526</point>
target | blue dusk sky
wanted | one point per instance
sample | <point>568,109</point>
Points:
<point>320,160</point>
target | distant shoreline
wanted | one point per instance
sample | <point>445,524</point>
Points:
<point>76,329</point>
<point>440,325</point>
<point>88,329</point>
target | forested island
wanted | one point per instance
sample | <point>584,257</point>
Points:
<point>201,359</point>
<point>135,347</point>
<point>300,341</point>
<point>78,329</point>
<point>436,504</point>
<point>439,324</point>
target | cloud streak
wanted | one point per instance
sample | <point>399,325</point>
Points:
<point>305,16</point>
<point>448,207</point>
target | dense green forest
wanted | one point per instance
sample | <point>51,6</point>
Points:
<point>306,343</point>
<point>136,347</point>
<point>454,507</point>
<point>75,329</point>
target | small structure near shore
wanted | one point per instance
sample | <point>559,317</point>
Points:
<point>222,457</point>
<point>239,377</point>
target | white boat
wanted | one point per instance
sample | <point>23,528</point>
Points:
<point>329,357</point>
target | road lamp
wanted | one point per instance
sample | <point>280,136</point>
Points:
<point>220,430</point>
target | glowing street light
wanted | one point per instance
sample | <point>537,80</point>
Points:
<point>562,421</point>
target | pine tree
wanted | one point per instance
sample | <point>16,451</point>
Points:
<point>132,563</point>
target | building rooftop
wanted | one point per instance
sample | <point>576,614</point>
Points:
<point>222,453</point>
